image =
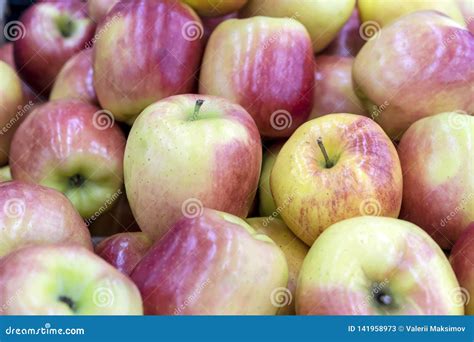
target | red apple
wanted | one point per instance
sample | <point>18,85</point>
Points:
<point>98,9</point>
<point>130,72</point>
<point>53,32</point>
<point>124,250</point>
<point>73,147</point>
<point>265,65</point>
<point>76,79</point>
<point>211,264</point>
<point>462,260</point>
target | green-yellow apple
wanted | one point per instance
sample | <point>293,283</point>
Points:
<point>323,19</point>
<point>376,266</point>
<point>32,214</point>
<point>333,90</point>
<point>462,260</point>
<point>212,264</point>
<point>266,66</point>
<point>215,8</point>
<point>384,12</point>
<point>420,65</point>
<point>98,9</point>
<point>436,154</point>
<point>5,173</point>
<point>11,100</point>
<point>332,168</point>
<point>266,204</point>
<point>74,147</point>
<point>64,280</point>
<point>146,50</point>
<point>46,36</point>
<point>295,251</point>
<point>124,250</point>
<point>187,152</point>
<point>76,79</point>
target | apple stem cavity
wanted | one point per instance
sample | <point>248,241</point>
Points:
<point>329,163</point>
<point>197,107</point>
<point>65,25</point>
<point>76,181</point>
<point>68,301</point>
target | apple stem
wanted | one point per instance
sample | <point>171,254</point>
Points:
<point>325,154</point>
<point>197,107</point>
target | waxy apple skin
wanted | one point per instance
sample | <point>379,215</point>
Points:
<point>215,8</point>
<point>167,67</point>
<point>266,204</point>
<point>98,9</point>
<point>438,191</point>
<point>124,250</point>
<point>213,264</point>
<point>76,79</point>
<point>425,69</point>
<point>356,261</point>
<point>266,66</point>
<point>43,50</point>
<point>333,90</point>
<point>366,178</point>
<point>294,249</point>
<point>462,260</point>
<point>34,214</point>
<point>34,279</point>
<point>176,164</point>
<point>80,152</point>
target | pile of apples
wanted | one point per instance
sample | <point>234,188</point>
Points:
<point>209,157</point>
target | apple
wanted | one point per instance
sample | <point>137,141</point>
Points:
<point>323,19</point>
<point>376,266</point>
<point>333,91</point>
<point>266,66</point>
<point>11,100</point>
<point>123,51</point>
<point>64,280</point>
<point>384,12</point>
<point>34,214</point>
<point>52,32</point>
<point>438,186</point>
<point>462,260</point>
<point>74,147</point>
<point>124,250</point>
<point>266,204</point>
<point>348,41</point>
<point>419,66</point>
<point>5,173</point>
<point>187,152</point>
<point>210,23</point>
<point>295,251</point>
<point>211,264</point>
<point>98,9</point>
<point>332,168</point>
<point>76,79</point>
<point>467,10</point>
<point>215,8</point>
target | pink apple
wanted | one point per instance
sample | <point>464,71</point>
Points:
<point>98,9</point>
<point>212,264</point>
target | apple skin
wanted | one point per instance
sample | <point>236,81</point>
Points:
<point>5,173</point>
<point>212,264</point>
<point>384,12</point>
<point>11,100</point>
<point>438,187</point>
<point>462,261</point>
<point>348,41</point>
<point>213,161</point>
<point>80,153</point>
<point>98,9</point>
<point>124,250</point>
<point>215,8</point>
<point>167,67</point>
<point>425,70</point>
<point>266,66</point>
<point>266,204</point>
<point>42,51</point>
<point>356,261</point>
<point>32,279</point>
<point>34,214</point>
<point>210,23</point>
<point>333,91</point>
<point>467,10</point>
<point>293,248</point>
<point>323,19</point>
<point>76,79</point>
<point>366,178</point>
